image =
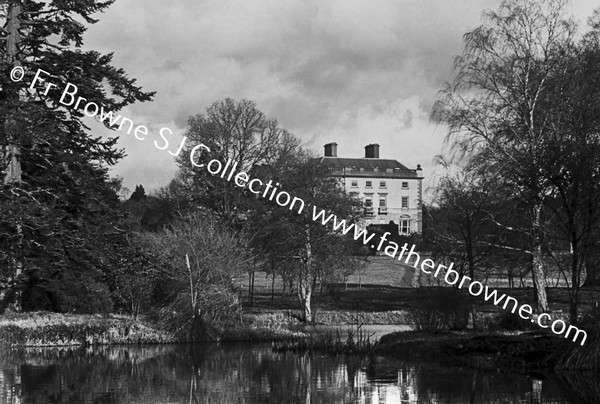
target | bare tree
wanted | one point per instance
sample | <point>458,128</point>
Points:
<point>461,226</point>
<point>240,132</point>
<point>307,251</point>
<point>497,106</point>
<point>201,262</point>
<point>575,172</point>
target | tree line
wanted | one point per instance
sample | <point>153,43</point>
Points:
<point>520,194</point>
<point>519,197</point>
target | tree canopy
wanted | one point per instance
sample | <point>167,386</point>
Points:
<point>523,110</point>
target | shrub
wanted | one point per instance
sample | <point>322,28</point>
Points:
<point>199,260</point>
<point>69,292</point>
<point>591,320</point>
<point>587,356</point>
<point>510,322</point>
<point>272,320</point>
<point>444,309</point>
<point>334,290</point>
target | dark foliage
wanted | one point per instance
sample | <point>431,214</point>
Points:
<point>60,215</point>
<point>443,309</point>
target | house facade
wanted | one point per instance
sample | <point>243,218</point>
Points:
<point>390,191</point>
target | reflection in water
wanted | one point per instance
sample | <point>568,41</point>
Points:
<point>248,374</point>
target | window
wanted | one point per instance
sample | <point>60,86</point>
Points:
<point>353,194</point>
<point>404,184</point>
<point>382,204</point>
<point>354,184</point>
<point>368,184</point>
<point>382,184</point>
<point>404,227</point>
<point>369,204</point>
<point>405,202</point>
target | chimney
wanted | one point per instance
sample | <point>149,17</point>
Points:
<point>419,171</point>
<point>372,151</point>
<point>331,150</point>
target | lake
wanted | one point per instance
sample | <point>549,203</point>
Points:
<point>250,373</point>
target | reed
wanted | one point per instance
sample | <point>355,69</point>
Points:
<point>356,342</point>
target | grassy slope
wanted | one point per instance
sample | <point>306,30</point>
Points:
<point>386,287</point>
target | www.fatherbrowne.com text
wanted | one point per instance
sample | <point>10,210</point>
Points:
<point>451,277</point>
<point>270,191</point>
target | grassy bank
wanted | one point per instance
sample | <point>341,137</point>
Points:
<point>55,329</point>
<point>518,351</point>
<point>272,318</point>
<point>43,329</point>
<point>260,335</point>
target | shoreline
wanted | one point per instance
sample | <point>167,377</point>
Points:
<point>47,329</point>
<point>521,352</point>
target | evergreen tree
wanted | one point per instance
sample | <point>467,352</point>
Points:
<point>139,194</point>
<point>59,206</point>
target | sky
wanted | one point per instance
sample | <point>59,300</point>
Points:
<point>347,71</point>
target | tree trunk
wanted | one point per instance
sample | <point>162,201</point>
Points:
<point>305,293</point>
<point>575,268</point>
<point>471,262</point>
<point>10,153</point>
<point>11,158</point>
<point>473,388</point>
<point>193,300</point>
<point>11,161</point>
<point>251,287</point>
<point>592,272</point>
<point>304,278</point>
<point>537,270</point>
<point>272,281</point>
<point>521,279</point>
<point>592,259</point>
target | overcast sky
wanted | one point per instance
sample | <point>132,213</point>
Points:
<point>353,72</point>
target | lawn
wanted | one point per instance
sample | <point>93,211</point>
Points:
<point>385,285</point>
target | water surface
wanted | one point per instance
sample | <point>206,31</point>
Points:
<point>242,373</point>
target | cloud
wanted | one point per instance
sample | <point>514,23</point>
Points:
<point>350,71</point>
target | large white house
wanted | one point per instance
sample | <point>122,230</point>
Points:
<point>390,191</point>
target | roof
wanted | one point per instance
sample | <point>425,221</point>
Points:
<point>352,167</point>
